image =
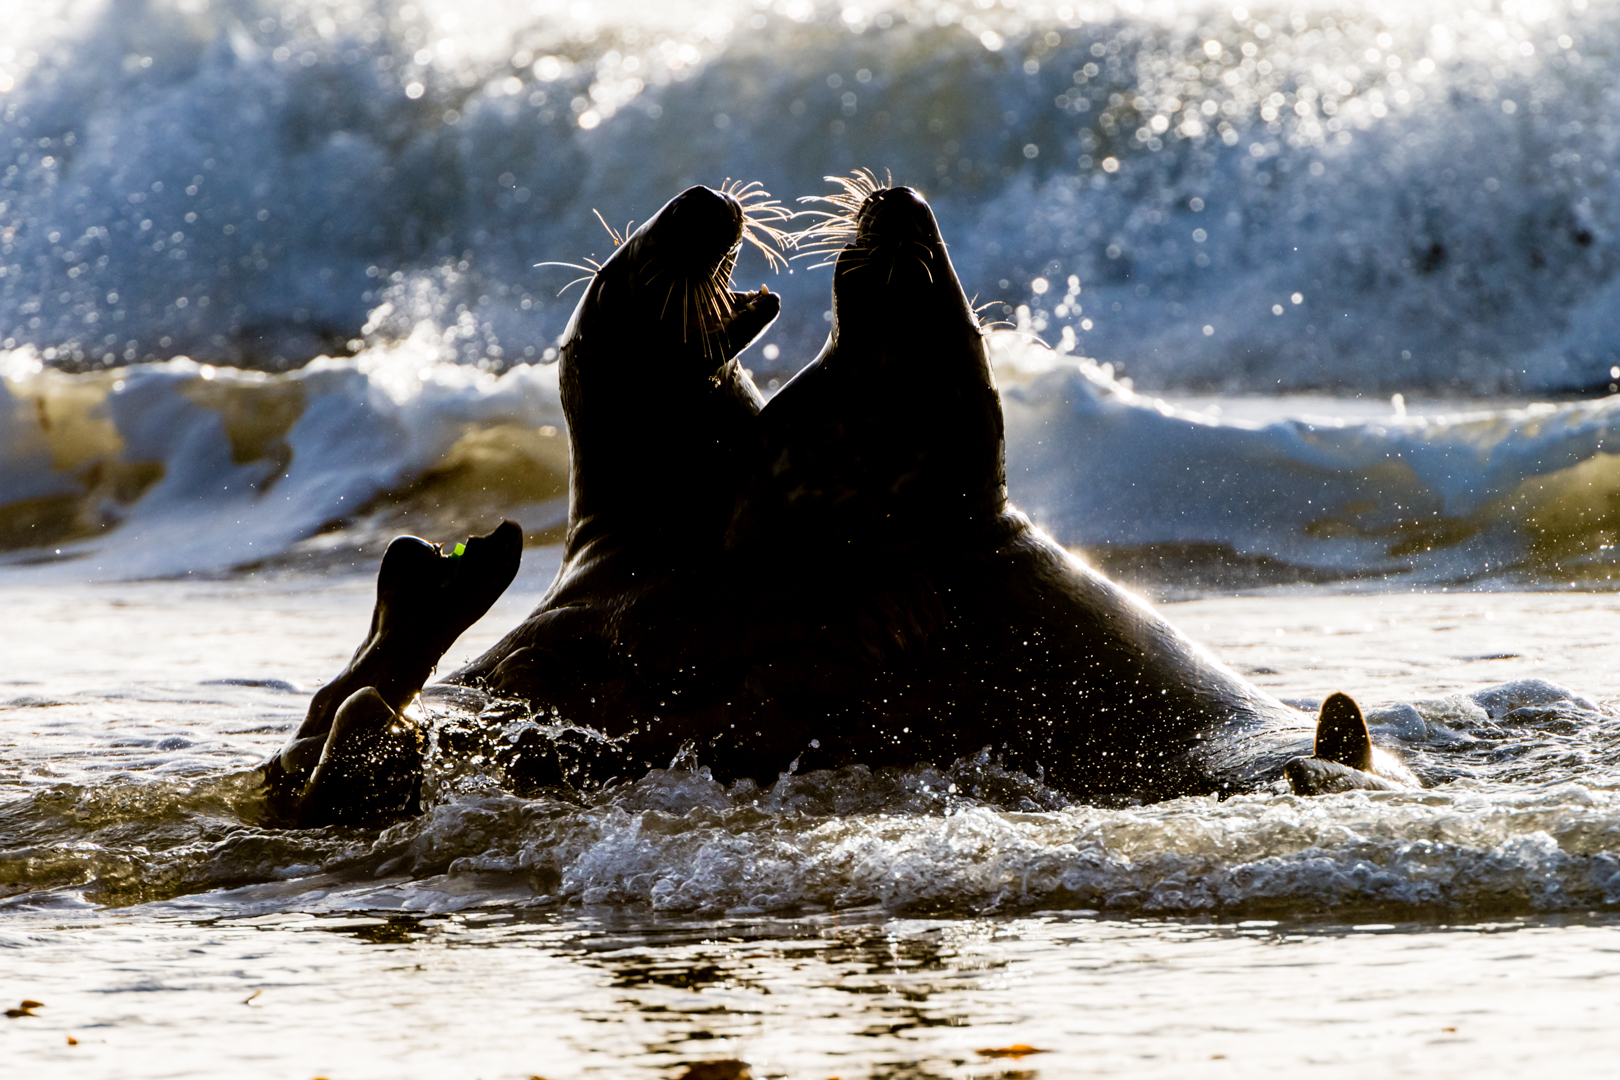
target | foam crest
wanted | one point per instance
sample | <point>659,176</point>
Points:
<point>1473,493</point>
<point>178,467</point>
<point>1520,820</point>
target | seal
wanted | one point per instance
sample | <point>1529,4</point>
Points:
<point>662,426</point>
<point>925,617</point>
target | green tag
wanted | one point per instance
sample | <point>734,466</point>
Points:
<point>460,548</point>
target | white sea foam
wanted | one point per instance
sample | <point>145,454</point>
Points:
<point>937,839</point>
<point>176,467</point>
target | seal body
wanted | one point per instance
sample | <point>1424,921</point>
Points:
<point>838,578</point>
<point>662,430</point>
<point>914,614</point>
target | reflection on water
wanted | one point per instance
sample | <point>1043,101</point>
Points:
<point>509,991</point>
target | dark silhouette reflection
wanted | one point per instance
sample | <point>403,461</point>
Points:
<point>890,979</point>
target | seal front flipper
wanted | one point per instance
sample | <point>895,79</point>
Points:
<point>752,315</point>
<point>1343,756</point>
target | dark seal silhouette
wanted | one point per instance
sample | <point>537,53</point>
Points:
<point>635,638</point>
<point>837,578</point>
<point>661,423</point>
<point>915,614</point>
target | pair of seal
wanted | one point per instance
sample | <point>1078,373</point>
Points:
<point>834,578</point>
<point>876,599</point>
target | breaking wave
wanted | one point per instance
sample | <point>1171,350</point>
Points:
<point>172,468</point>
<point>1253,198</point>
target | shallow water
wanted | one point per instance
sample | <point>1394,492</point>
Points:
<point>505,992</point>
<point>881,926</point>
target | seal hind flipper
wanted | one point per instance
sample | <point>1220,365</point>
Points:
<point>370,766</point>
<point>427,596</point>
<point>1342,736</point>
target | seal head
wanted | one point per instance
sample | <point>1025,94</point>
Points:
<point>894,432</point>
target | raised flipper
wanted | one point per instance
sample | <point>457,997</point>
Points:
<point>426,597</point>
<point>1341,734</point>
<point>1343,758</point>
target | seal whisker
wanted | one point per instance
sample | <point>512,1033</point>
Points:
<point>772,255</point>
<point>618,238</point>
<point>759,211</point>
<point>840,223</point>
<point>923,262</point>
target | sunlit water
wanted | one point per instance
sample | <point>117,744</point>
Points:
<point>1415,204</point>
<point>1234,196</point>
<point>844,925</point>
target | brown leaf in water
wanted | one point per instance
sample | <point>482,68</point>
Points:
<point>30,1004</point>
<point>729,1069</point>
<point>72,1041</point>
<point>1016,1050</point>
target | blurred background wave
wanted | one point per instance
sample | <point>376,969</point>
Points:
<point>1206,198</point>
<point>1427,191</point>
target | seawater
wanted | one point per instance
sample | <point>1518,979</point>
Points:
<point>892,924</point>
<point>176,467</point>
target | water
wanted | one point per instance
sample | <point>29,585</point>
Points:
<point>877,926</point>
<point>1330,299</point>
<point>505,993</point>
<point>1316,195</point>
<point>175,468</point>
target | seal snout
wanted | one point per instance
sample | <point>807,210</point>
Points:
<point>896,213</point>
<point>705,223</point>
